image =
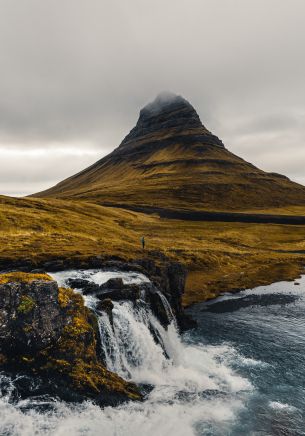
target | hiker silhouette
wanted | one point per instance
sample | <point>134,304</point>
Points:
<point>143,242</point>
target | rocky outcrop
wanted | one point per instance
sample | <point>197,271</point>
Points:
<point>116,290</point>
<point>48,334</point>
<point>173,115</point>
<point>87,286</point>
<point>30,315</point>
<point>169,277</point>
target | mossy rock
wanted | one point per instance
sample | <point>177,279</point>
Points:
<point>75,354</point>
<point>48,332</point>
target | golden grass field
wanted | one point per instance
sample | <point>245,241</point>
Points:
<point>219,256</point>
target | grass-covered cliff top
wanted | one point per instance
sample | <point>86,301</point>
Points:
<point>219,256</point>
<point>22,277</point>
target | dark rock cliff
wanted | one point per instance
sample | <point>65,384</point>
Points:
<point>31,318</point>
<point>169,277</point>
<point>171,114</point>
<point>49,338</point>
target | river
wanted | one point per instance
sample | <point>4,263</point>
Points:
<point>240,372</point>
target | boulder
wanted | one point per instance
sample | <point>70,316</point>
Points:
<point>114,288</point>
<point>115,283</point>
<point>106,306</point>
<point>126,292</point>
<point>30,316</point>
<point>86,286</point>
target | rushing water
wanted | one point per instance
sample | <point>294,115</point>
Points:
<point>241,372</point>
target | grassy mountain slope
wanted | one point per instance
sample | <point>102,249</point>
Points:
<point>170,160</point>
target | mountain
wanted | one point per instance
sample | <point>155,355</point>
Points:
<point>170,160</point>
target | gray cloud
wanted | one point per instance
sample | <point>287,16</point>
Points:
<point>75,74</point>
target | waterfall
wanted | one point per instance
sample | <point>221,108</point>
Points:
<point>194,389</point>
<point>137,346</point>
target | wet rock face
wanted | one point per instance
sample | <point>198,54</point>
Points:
<point>116,290</point>
<point>158,305</point>
<point>87,286</point>
<point>127,292</point>
<point>169,277</point>
<point>113,289</point>
<point>106,306</point>
<point>30,316</point>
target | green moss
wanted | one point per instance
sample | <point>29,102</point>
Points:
<point>26,305</point>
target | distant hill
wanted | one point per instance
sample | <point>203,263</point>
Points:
<point>170,160</point>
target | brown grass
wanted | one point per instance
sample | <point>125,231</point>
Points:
<point>21,277</point>
<point>219,256</point>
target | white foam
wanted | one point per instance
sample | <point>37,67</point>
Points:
<point>99,277</point>
<point>150,418</point>
<point>276,405</point>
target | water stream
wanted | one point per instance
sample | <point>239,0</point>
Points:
<point>241,372</point>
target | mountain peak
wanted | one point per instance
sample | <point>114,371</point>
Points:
<point>167,116</point>
<point>164,101</point>
<point>170,161</point>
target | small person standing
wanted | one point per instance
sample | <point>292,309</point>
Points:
<point>143,242</point>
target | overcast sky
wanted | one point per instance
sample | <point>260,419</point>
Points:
<point>75,73</point>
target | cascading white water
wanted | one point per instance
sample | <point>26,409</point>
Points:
<point>194,387</point>
<point>130,347</point>
<point>167,307</point>
<point>137,346</point>
<point>131,350</point>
